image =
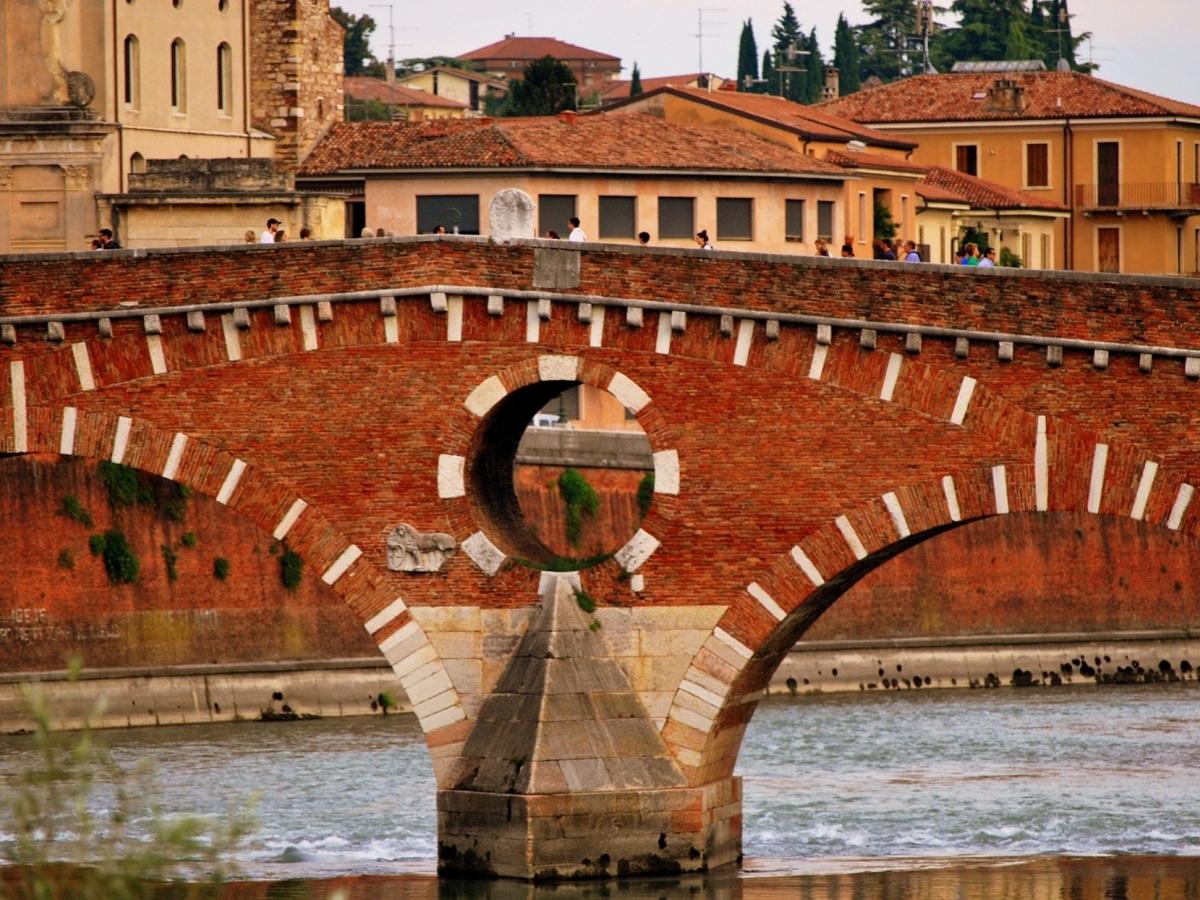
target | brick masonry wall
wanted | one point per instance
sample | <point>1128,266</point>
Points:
<point>800,459</point>
<point>56,600</point>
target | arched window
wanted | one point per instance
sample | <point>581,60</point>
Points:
<point>137,164</point>
<point>225,80</point>
<point>132,75</point>
<point>178,76</point>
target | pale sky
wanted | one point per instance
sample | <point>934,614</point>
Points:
<point>1147,44</point>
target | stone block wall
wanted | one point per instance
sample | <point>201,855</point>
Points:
<point>296,70</point>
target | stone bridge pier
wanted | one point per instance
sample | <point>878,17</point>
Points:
<point>565,775</point>
<point>361,404</point>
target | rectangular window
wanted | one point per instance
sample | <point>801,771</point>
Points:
<point>1108,175</point>
<point>618,217</point>
<point>1108,249</point>
<point>904,229</point>
<point>1026,250</point>
<point>825,219</point>
<point>178,77</point>
<point>862,217</point>
<point>735,219</point>
<point>1045,260</point>
<point>676,217</point>
<point>224,79</point>
<point>1037,165</point>
<point>457,213</point>
<point>131,72</point>
<point>966,158</point>
<point>553,212</point>
<point>793,225</point>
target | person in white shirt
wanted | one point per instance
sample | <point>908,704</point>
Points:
<point>989,259</point>
<point>574,232</point>
<point>268,236</point>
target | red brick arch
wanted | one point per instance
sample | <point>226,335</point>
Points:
<point>738,660</point>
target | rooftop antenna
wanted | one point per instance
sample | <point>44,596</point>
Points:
<point>790,53</point>
<point>925,29</point>
<point>700,24</point>
<point>529,24</point>
<point>391,59</point>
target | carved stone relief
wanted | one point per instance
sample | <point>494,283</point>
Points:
<point>409,550</point>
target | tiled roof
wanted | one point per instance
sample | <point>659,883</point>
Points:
<point>593,143</point>
<point>939,194</point>
<point>849,159</point>
<point>984,194</point>
<point>957,97</point>
<point>808,122</point>
<point>361,87</point>
<point>513,47</point>
<point>618,88</point>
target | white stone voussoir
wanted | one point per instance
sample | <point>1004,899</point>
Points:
<point>666,472</point>
<point>558,368</point>
<point>628,392</point>
<point>484,553</point>
<point>637,550</point>
<point>451,476</point>
<point>485,396</point>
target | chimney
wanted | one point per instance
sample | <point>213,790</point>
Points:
<point>1006,95</point>
<point>569,116</point>
<point>830,90</point>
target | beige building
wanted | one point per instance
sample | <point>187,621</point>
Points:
<point>92,92</point>
<point>620,175</point>
<point>407,103</point>
<point>457,85</point>
<point>1125,163</point>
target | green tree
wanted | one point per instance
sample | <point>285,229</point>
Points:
<point>635,82</point>
<point>845,57</point>
<point>789,44</point>
<point>547,88</point>
<point>814,78</point>
<point>883,41</point>
<point>1052,19</point>
<point>747,70</point>
<point>885,225</point>
<point>984,32</point>
<point>356,45</point>
<point>768,74</point>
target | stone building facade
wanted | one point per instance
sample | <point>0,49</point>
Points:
<point>90,93</point>
<point>296,73</point>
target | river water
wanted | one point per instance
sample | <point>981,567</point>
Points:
<point>957,793</point>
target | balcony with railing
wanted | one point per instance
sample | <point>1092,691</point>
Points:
<point>1175,197</point>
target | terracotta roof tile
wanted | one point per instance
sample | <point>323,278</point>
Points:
<point>618,88</point>
<point>963,96</point>
<point>983,194</point>
<point>849,159</point>
<point>361,87</point>
<point>587,142</point>
<point>535,48</point>
<point>808,122</point>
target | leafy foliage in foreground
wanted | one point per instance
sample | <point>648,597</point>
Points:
<point>78,825</point>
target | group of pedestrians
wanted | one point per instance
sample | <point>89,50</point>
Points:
<point>104,240</point>
<point>971,256</point>
<point>274,234</point>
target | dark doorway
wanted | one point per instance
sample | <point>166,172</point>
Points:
<point>1108,173</point>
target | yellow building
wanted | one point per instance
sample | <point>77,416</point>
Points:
<point>620,175</point>
<point>91,93</point>
<point>459,85</point>
<point>1125,163</point>
<point>888,179</point>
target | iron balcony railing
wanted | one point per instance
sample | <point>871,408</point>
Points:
<point>1171,195</point>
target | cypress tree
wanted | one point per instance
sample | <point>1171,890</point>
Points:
<point>747,59</point>
<point>785,35</point>
<point>845,57</point>
<point>635,82</point>
<point>814,78</point>
<point>770,85</point>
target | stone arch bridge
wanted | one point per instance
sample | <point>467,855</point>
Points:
<point>809,420</point>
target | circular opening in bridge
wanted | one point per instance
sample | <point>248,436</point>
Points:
<point>563,475</point>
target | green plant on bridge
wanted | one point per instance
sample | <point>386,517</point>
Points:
<point>220,568</point>
<point>124,488</point>
<point>645,493</point>
<point>69,818</point>
<point>291,569</point>
<point>119,561</point>
<point>581,498</point>
<point>73,509</point>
